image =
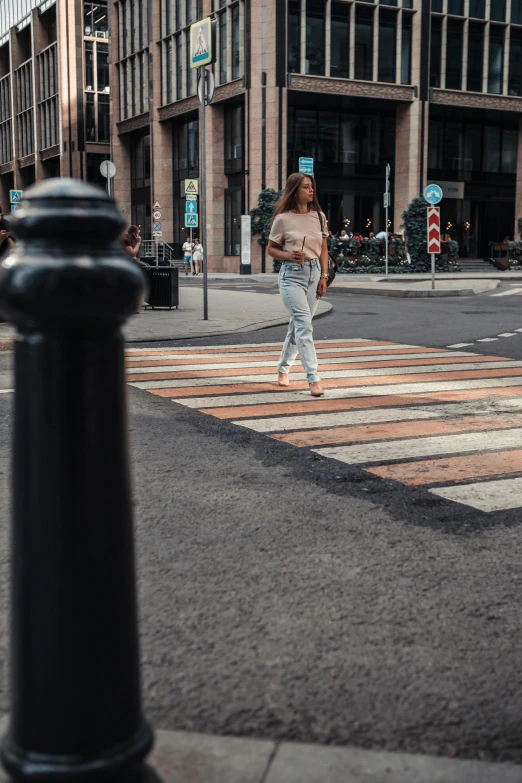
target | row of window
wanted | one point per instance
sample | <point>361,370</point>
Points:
<point>495,10</point>
<point>351,32</point>
<point>95,18</point>
<point>179,79</point>
<point>48,72</point>
<point>485,58</point>
<point>97,117</point>
<point>134,85</point>
<point>96,68</point>
<point>133,26</point>
<point>176,14</point>
<point>6,143</point>
<point>464,149</point>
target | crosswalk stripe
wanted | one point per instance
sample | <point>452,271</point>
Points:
<point>510,292</point>
<point>459,345</point>
<point>340,418</point>
<point>270,360</point>
<point>423,447</point>
<point>274,404</point>
<point>253,346</point>
<point>404,429</point>
<point>485,496</point>
<point>452,469</point>
<point>167,356</point>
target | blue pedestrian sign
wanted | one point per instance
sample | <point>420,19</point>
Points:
<point>433,194</point>
<point>306,166</point>
<point>191,207</point>
<point>191,221</point>
<point>15,196</point>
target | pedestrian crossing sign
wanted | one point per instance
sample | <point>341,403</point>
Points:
<point>15,196</point>
<point>191,221</point>
<point>191,186</point>
<point>201,43</point>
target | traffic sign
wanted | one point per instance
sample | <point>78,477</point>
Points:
<point>157,205</point>
<point>107,168</point>
<point>201,43</point>
<point>15,196</point>
<point>433,229</point>
<point>157,233</point>
<point>156,215</point>
<point>192,186</point>
<point>14,207</point>
<point>190,197</point>
<point>191,221</point>
<point>433,194</point>
<point>306,166</point>
<point>191,207</point>
<point>156,225</point>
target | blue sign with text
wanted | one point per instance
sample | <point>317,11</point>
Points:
<point>306,166</point>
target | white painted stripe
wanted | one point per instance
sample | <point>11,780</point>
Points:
<point>487,339</point>
<point>510,292</point>
<point>248,345</point>
<point>518,330</point>
<point>324,355</point>
<point>377,372</point>
<point>459,345</point>
<point>485,495</point>
<point>361,372</point>
<point>406,389</point>
<point>507,334</point>
<point>378,415</point>
<point>6,391</point>
<point>412,448</point>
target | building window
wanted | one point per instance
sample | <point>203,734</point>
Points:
<point>192,145</point>
<point>509,151</point>
<point>496,59</point>
<point>103,118</point>
<point>363,43</point>
<point>477,8</point>
<point>294,36</point>
<point>491,162</point>
<point>456,7</point>
<point>515,63</point>
<point>89,65</point>
<point>233,212</point>
<point>90,120</point>
<point>436,6</point>
<point>328,139</point>
<point>454,54</point>
<point>234,155</point>
<point>340,41</point>
<point>93,173</point>
<point>436,51</point>
<point>189,70</point>
<point>516,11</point>
<point>223,48</point>
<point>235,42</point>
<point>498,10</point>
<point>102,67</point>
<point>179,70</point>
<point>315,36</point>
<point>95,19</point>
<point>387,46</point>
<point>475,57</point>
<point>406,48</point>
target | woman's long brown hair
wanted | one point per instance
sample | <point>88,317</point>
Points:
<point>288,200</point>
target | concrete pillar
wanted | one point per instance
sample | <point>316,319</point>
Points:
<point>70,39</point>
<point>120,145</point>
<point>216,183</point>
<point>408,156</point>
<point>518,195</point>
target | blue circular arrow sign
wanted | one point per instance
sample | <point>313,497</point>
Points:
<point>433,194</point>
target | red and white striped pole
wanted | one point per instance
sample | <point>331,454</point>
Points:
<point>433,238</point>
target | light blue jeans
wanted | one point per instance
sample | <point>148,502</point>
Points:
<point>298,287</point>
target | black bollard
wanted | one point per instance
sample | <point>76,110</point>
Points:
<point>68,287</point>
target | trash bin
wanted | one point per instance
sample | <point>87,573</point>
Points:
<point>163,286</point>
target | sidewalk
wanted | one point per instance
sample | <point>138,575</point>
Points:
<point>229,312</point>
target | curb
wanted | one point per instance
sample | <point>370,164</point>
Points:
<point>6,344</point>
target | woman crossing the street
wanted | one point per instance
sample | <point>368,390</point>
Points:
<point>298,239</point>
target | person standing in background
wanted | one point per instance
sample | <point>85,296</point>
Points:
<point>198,257</point>
<point>187,255</point>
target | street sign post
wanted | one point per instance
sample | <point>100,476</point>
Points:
<point>386,207</point>
<point>191,207</point>
<point>306,166</point>
<point>202,43</point>
<point>191,187</point>
<point>108,170</point>
<point>190,197</point>
<point>15,196</point>
<point>433,238</point>
<point>191,221</point>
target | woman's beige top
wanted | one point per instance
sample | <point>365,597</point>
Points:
<point>290,228</point>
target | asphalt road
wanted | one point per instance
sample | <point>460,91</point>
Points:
<point>283,595</point>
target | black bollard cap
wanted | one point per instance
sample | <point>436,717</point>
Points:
<point>68,269</point>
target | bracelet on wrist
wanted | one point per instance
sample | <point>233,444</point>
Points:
<point>324,276</point>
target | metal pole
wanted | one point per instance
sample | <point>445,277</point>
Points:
<point>191,252</point>
<point>387,191</point>
<point>433,270</point>
<point>203,180</point>
<point>74,678</point>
